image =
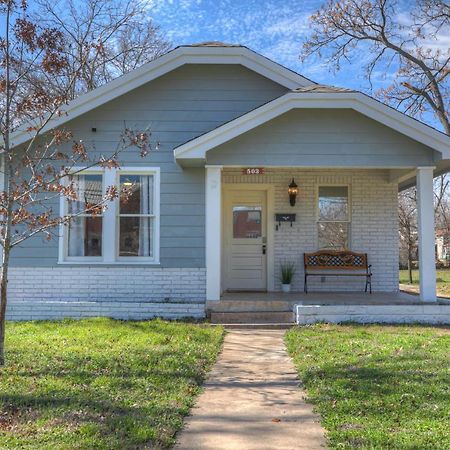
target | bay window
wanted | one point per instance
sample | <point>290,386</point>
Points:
<point>333,222</point>
<point>126,232</point>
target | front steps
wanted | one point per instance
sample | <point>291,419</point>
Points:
<point>252,317</point>
<point>272,313</point>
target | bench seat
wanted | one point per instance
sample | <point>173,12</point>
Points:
<point>337,263</point>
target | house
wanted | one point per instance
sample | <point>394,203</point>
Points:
<point>443,246</point>
<point>235,129</point>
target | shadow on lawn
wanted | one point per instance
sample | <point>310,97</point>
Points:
<point>152,366</point>
<point>376,390</point>
<point>119,425</point>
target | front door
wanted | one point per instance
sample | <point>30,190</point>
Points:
<point>245,244</point>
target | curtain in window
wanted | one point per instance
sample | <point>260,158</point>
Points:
<point>146,195</point>
<point>77,226</point>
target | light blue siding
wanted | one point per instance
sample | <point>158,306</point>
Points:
<point>322,138</point>
<point>177,107</point>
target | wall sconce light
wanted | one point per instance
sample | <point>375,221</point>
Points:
<point>292,191</point>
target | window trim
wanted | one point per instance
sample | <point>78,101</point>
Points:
<point>111,217</point>
<point>349,215</point>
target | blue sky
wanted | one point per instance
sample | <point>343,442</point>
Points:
<point>275,28</point>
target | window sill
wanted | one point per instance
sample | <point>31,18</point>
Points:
<point>112,263</point>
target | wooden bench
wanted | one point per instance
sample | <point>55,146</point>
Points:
<point>348,264</point>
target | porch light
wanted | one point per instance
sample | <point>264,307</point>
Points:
<point>292,191</point>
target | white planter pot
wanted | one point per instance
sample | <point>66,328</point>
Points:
<point>286,288</point>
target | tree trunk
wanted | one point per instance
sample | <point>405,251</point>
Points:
<point>410,266</point>
<point>3,302</point>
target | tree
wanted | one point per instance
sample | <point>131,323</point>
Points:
<point>105,39</point>
<point>43,168</point>
<point>408,226</point>
<point>420,68</point>
<point>341,30</point>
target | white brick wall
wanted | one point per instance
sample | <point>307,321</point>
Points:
<point>43,310</point>
<point>425,313</point>
<point>373,228</point>
<point>120,292</point>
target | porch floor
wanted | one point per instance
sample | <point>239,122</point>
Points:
<point>325,298</point>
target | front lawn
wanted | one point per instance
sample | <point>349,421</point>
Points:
<point>442,281</point>
<point>100,383</point>
<point>377,386</point>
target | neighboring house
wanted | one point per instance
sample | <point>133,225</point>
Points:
<point>234,129</point>
<point>443,246</point>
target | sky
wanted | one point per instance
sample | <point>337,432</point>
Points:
<point>274,28</point>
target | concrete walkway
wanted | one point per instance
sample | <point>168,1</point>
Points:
<point>252,400</point>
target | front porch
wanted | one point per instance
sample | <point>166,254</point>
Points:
<point>246,244</point>
<point>347,154</point>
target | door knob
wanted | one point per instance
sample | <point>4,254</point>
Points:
<point>264,249</point>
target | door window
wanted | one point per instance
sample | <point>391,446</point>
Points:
<point>247,222</point>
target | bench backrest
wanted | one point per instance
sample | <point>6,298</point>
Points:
<point>336,259</point>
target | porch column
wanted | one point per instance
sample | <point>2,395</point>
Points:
<point>213,212</point>
<point>425,222</point>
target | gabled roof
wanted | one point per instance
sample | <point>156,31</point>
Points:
<point>203,53</point>
<point>315,96</point>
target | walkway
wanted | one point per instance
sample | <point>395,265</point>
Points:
<point>252,400</point>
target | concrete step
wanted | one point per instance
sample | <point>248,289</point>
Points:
<point>252,317</point>
<point>255,326</point>
<point>250,306</point>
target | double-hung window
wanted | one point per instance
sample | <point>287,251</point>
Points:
<point>333,222</point>
<point>128,229</point>
<point>136,216</point>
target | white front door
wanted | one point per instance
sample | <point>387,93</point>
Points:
<point>245,243</point>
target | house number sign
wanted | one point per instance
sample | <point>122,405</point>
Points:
<point>253,170</point>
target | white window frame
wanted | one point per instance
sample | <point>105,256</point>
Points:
<point>110,222</point>
<point>349,215</point>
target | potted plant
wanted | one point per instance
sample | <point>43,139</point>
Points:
<point>287,274</point>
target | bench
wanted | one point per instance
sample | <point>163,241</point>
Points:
<point>348,264</point>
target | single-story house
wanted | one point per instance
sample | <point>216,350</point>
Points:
<point>211,212</point>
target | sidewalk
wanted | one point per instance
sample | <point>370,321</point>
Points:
<point>252,400</point>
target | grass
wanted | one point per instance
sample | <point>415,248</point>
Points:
<point>377,387</point>
<point>100,383</point>
<point>442,281</point>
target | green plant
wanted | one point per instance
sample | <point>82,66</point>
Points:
<point>287,272</point>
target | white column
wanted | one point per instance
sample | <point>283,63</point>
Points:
<point>213,193</point>
<point>425,222</point>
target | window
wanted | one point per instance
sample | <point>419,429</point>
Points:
<point>136,216</point>
<point>247,222</point>
<point>85,230</point>
<point>128,230</point>
<point>333,217</point>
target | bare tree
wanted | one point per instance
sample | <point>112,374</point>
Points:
<point>408,217</point>
<point>343,30</point>
<point>408,226</point>
<point>105,39</point>
<point>408,49</point>
<point>44,168</point>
